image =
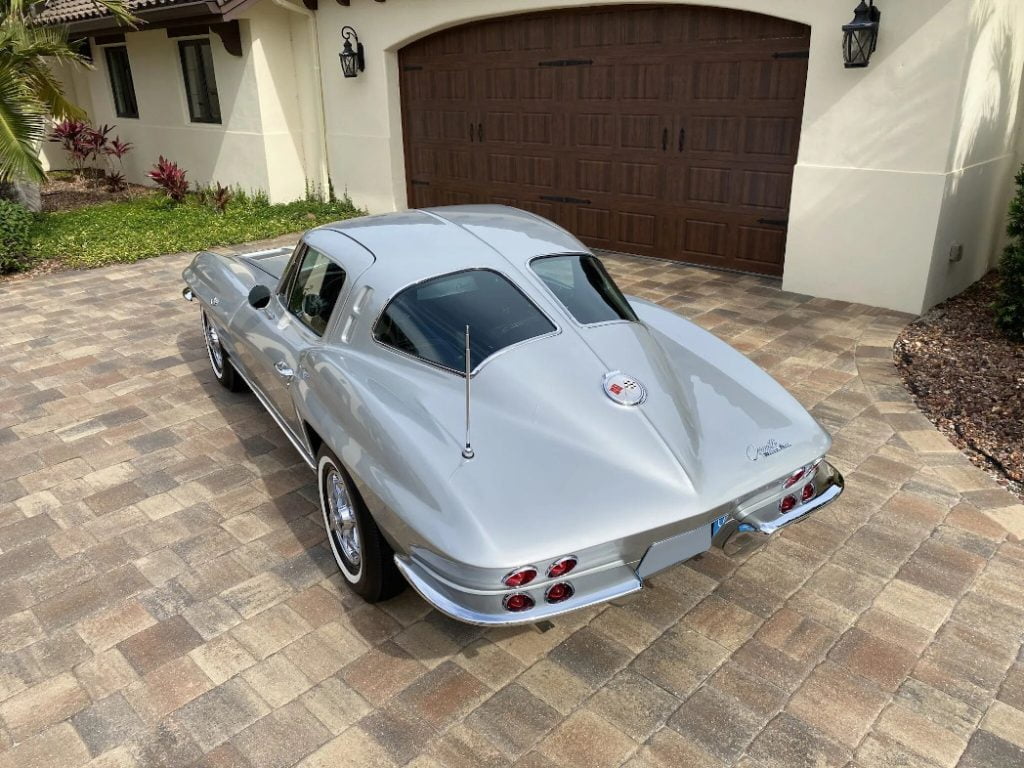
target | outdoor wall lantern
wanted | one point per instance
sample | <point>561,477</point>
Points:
<point>861,35</point>
<point>352,60</point>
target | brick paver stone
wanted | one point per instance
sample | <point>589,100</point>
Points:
<point>167,597</point>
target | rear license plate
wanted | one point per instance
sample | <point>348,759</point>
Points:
<point>668,552</point>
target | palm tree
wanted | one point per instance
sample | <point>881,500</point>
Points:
<point>30,94</point>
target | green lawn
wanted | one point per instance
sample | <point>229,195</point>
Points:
<point>148,226</point>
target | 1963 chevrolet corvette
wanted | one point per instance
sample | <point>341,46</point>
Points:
<point>490,418</point>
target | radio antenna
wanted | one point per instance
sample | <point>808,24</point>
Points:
<point>467,452</point>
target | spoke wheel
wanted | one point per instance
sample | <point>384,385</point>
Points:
<point>363,555</point>
<point>220,362</point>
<point>341,518</point>
<point>213,347</point>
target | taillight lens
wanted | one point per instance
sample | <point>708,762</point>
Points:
<point>808,492</point>
<point>787,503</point>
<point>795,478</point>
<point>520,577</point>
<point>561,567</point>
<point>558,592</point>
<point>518,602</point>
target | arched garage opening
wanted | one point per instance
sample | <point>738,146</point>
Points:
<point>667,131</point>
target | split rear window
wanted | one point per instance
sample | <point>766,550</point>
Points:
<point>585,289</point>
<point>428,320</point>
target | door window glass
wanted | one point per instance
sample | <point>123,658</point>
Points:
<point>315,290</point>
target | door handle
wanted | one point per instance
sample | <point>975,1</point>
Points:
<point>682,139</point>
<point>283,370</point>
<point>479,131</point>
<point>664,139</point>
<point>471,132</point>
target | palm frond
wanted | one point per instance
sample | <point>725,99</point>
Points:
<point>22,127</point>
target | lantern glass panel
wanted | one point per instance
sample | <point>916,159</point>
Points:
<point>348,60</point>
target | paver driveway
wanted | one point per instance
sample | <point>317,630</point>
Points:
<point>166,597</point>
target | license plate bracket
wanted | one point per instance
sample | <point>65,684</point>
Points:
<point>675,549</point>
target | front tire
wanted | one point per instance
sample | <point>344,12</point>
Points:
<point>221,364</point>
<point>363,555</point>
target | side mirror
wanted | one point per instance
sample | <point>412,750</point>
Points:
<point>259,296</point>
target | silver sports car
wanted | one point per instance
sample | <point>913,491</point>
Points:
<point>490,418</point>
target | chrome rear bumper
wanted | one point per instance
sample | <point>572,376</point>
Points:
<point>750,529</point>
<point>746,529</point>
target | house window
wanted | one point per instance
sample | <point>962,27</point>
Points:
<point>200,83</point>
<point>121,81</point>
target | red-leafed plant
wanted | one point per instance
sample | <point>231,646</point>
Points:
<point>73,136</point>
<point>170,178</point>
<point>221,196</point>
<point>117,148</point>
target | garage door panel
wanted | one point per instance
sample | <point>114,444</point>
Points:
<point>776,136</point>
<point>703,240</point>
<point>668,131</point>
<point>765,190</point>
<point>613,28</point>
<point>594,131</point>
<point>760,245</point>
<point>715,81</point>
<point>775,80</point>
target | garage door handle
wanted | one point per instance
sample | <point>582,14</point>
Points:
<point>664,139</point>
<point>470,131</point>
<point>479,131</point>
<point>682,138</point>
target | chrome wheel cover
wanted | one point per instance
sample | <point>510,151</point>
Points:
<point>341,517</point>
<point>213,347</point>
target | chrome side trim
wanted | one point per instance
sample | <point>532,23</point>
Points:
<point>277,419</point>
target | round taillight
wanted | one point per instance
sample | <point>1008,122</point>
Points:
<point>808,492</point>
<point>520,577</point>
<point>794,478</point>
<point>558,592</point>
<point>561,567</point>
<point>517,602</point>
<point>787,503</point>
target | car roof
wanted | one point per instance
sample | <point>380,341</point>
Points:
<point>410,246</point>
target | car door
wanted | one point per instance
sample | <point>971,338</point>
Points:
<point>294,320</point>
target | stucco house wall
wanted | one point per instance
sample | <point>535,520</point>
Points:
<point>258,145</point>
<point>897,162</point>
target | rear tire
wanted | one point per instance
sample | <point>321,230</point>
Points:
<point>220,362</point>
<point>363,555</point>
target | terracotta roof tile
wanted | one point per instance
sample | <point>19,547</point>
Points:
<point>68,11</point>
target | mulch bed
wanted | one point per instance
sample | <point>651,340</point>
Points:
<point>65,192</point>
<point>968,378</point>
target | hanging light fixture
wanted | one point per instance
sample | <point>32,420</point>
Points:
<point>352,59</point>
<point>860,36</point>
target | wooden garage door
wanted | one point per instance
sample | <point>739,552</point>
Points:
<point>666,131</point>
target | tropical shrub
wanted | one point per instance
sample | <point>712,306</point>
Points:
<point>170,178</point>
<point>115,181</point>
<point>1009,304</point>
<point>30,94</point>
<point>15,236</point>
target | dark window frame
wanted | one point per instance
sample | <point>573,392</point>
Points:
<point>122,84</point>
<point>477,364</point>
<point>200,94</point>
